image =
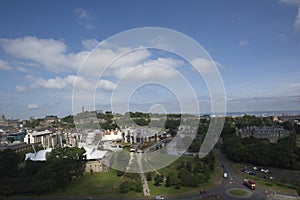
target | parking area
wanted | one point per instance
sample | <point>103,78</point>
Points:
<point>282,176</point>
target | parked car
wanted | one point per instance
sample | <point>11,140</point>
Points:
<point>159,198</point>
<point>202,191</point>
<point>247,171</point>
<point>255,168</point>
<point>269,177</point>
<point>264,170</point>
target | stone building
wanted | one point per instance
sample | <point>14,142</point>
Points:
<point>271,133</point>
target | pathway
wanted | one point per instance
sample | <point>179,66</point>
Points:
<point>142,174</point>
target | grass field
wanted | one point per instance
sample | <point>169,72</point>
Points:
<point>106,184</point>
<point>96,185</point>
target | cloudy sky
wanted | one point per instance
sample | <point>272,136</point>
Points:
<point>255,45</point>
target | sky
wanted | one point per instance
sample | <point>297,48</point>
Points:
<point>48,50</point>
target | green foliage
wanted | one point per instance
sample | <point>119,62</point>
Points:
<point>33,123</point>
<point>9,161</point>
<point>172,124</point>
<point>132,183</point>
<point>41,177</point>
<point>283,154</point>
<point>298,191</point>
<point>195,146</point>
<point>158,180</point>
<point>149,176</point>
<point>142,121</point>
<point>68,119</point>
<point>120,173</point>
<point>248,120</point>
<point>125,186</point>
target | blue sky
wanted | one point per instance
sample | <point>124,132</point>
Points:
<point>255,44</point>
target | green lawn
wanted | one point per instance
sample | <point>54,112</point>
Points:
<point>98,184</point>
<point>104,184</point>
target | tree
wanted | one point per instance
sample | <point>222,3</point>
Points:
<point>9,161</point>
<point>120,173</point>
<point>125,186</point>
<point>168,181</point>
<point>171,180</point>
<point>195,146</point>
<point>189,166</point>
<point>149,177</point>
<point>158,180</point>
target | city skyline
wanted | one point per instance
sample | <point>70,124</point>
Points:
<point>255,45</point>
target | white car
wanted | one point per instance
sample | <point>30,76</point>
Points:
<point>264,170</point>
<point>159,198</point>
<point>225,175</point>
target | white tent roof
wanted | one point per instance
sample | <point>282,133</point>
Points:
<point>93,154</point>
<point>39,156</point>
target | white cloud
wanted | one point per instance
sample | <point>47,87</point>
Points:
<point>81,13</point>
<point>281,37</point>
<point>297,21</point>
<point>89,26</point>
<point>243,43</point>
<point>160,69</point>
<point>59,83</point>
<point>130,59</point>
<point>294,3</point>
<point>84,18</point>
<point>90,44</point>
<point>23,69</point>
<point>5,66</point>
<point>205,65</point>
<point>20,88</point>
<point>32,106</point>
<point>291,2</point>
<point>107,85</point>
<point>47,52</point>
<point>51,54</point>
<point>170,62</point>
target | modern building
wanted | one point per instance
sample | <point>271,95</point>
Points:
<point>16,136</point>
<point>266,132</point>
<point>46,138</point>
<point>16,146</point>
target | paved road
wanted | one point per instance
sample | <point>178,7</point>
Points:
<point>233,181</point>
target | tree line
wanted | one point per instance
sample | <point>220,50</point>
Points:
<point>283,154</point>
<point>29,177</point>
